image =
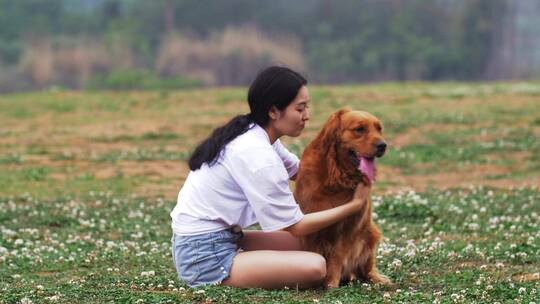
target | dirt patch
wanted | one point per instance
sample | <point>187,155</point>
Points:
<point>454,237</point>
<point>418,135</point>
<point>167,191</point>
<point>526,277</point>
<point>114,235</point>
<point>117,128</point>
<point>467,176</point>
<point>404,139</point>
<point>161,169</point>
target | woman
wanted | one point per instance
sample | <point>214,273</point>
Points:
<point>239,176</point>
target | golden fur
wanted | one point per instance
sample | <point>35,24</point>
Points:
<point>327,177</point>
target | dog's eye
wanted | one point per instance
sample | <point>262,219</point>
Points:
<point>360,129</point>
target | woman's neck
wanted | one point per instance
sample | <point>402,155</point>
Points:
<point>272,134</point>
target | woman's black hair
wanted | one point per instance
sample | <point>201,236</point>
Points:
<point>274,86</point>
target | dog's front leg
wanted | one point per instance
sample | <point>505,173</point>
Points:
<point>368,269</point>
<point>334,267</point>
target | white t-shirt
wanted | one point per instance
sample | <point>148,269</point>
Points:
<point>249,184</point>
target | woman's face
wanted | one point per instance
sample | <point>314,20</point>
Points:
<point>291,121</point>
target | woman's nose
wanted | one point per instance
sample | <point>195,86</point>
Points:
<point>306,116</point>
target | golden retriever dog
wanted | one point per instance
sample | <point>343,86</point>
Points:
<point>332,165</point>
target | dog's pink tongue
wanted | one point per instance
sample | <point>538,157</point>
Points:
<point>367,166</point>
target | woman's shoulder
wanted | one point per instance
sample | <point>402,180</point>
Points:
<point>253,139</point>
<point>250,149</point>
<point>251,153</point>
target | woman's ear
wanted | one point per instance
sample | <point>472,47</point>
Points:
<point>274,113</point>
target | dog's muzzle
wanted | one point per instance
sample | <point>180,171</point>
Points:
<point>380,146</point>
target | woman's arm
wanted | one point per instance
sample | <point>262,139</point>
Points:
<point>316,221</point>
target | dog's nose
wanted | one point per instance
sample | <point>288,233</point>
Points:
<point>381,146</point>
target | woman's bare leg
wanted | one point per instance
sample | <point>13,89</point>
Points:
<point>275,269</point>
<point>274,260</point>
<point>278,240</point>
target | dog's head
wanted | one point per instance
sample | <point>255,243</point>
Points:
<point>361,133</point>
<point>357,133</point>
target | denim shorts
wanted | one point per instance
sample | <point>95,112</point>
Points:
<point>205,259</point>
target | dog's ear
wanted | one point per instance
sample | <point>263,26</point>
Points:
<point>331,130</point>
<point>327,144</point>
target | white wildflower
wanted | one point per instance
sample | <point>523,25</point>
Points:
<point>396,264</point>
<point>150,273</point>
<point>137,235</point>
<point>473,226</point>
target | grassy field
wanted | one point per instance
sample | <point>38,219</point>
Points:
<point>87,181</point>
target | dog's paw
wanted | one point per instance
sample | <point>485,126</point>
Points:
<point>378,278</point>
<point>331,283</point>
<point>348,280</point>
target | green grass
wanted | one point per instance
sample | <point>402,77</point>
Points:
<point>38,182</point>
<point>87,181</point>
<point>468,244</point>
<point>149,136</point>
<point>10,159</point>
<point>140,155</point>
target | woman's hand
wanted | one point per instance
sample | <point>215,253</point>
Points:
<point>362,192</point>
<point>318,220</point>
<point>321,219</point>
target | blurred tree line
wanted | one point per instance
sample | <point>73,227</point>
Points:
<point>168,43</point>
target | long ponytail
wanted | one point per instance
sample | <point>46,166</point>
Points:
<point>208,150</point>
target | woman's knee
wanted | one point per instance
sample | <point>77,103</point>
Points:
<point>316,266</point>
